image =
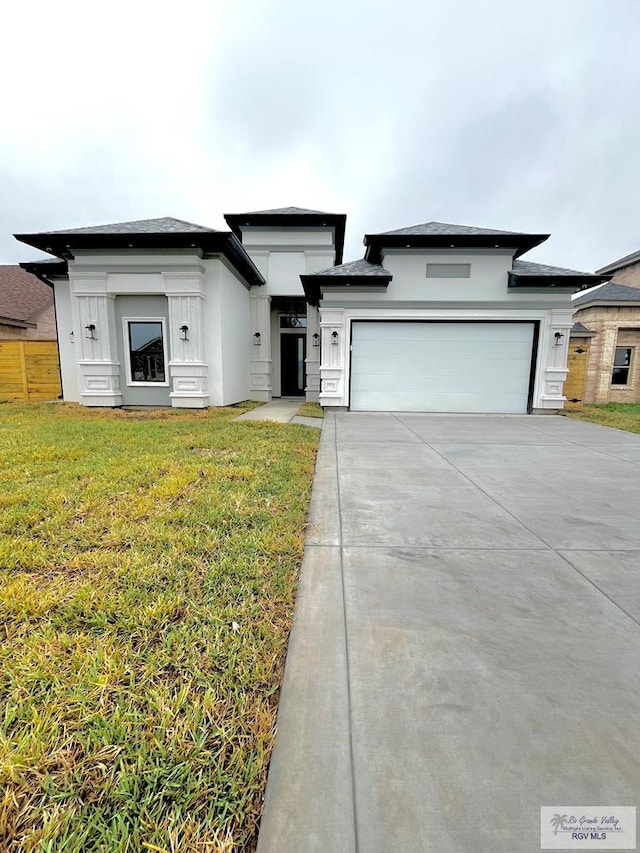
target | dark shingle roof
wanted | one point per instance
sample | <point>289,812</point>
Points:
<point>609,292</point>
<point>580,331</point>
<point>445,229</point>
<point>291,217</point>
<point>161,234</point>
<point>444,235</point>
<point>358,268</point>
<point>357,274</point>
<point>626,261</point>
<point>284,211</point>
<point>529,268</point>
<point>163,225</point>
<point>22,296</point>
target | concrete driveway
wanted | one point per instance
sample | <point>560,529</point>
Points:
<point>466,644</point>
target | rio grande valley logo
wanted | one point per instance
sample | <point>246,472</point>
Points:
<point>588,828</point>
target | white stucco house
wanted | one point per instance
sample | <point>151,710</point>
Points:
<point>436,317</point>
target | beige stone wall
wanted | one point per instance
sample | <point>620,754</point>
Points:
<point>45,329</point>
<point>629,276</point>
<point>614,327</point>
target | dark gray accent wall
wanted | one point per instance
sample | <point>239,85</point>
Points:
<point>142,307</point>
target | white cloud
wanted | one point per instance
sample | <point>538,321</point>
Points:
<point>492,114</point>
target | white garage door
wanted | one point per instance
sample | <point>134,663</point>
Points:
<point>441,367</point>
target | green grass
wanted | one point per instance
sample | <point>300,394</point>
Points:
<point>311,410</point>
<point>619,415</point>
<point>148,563</point>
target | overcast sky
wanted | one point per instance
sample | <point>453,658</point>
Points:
<point>515,115</point>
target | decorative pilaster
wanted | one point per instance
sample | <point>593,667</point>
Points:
<point>95,332</point>
<point>187,367</point>
<point>312,386</point>
<point>260,387</point>
<point>555,348</point>
<point>334,353</point>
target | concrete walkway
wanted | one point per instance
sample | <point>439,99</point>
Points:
<point>283,410</point>
<point>466,642</point>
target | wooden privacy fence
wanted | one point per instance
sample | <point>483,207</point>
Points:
<point>29,371</point>
<point>577,363</point>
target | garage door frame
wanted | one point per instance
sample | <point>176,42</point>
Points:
<point>450,321</point>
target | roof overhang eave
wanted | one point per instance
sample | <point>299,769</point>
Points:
<point>314,285</point>
<point>18,324</point>
<point>557,282</point>
<point>518,244</point>
<point>216,242</point>
<point>45,271</point>
<point>609,303</point>
<point>337,221</point>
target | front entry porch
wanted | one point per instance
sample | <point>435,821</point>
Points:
<point>286,352</point>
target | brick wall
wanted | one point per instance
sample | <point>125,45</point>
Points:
<point>613,326</point>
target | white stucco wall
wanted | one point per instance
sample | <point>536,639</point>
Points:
<point>66,340</point>
<point>283,255</point>
<point>194,291</point>
<point>253,237</point>
<point>413,296</point>
<point>235,338</point>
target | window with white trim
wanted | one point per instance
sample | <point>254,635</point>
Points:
<point>621,366</point>
<point>146,351</point>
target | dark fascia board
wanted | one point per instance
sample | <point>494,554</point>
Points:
<point>46,270</point>
<point>520,243</point>
<point>567,282</point>
<point>18,324</point>
<point>314,284</point>
<point>214,242</point>
<point>337,221</point>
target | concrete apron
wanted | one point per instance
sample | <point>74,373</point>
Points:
<point>466,642</point>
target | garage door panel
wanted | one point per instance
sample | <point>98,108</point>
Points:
<point>398,401</point>
<point>445,349</point>
<point>509,363</point>
<point>441,367</point>
<point>437,384</point>
<point>438,331</point>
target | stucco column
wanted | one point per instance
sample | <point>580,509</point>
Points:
<point>554,348</point>
<point>260,346</point>
<point>95,332</point>
<point>334,349</point>
<point>187,367</point>
<point>312,387</point>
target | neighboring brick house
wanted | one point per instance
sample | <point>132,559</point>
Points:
<point>612,312</point>
<point>26,307</point>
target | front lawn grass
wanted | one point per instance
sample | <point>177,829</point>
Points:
<point>148,563</point>
<point>311,410</point>
<point>619,415</point>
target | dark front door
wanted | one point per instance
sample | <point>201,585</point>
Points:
<point>292,354</point>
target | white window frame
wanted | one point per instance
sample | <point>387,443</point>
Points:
<point>127,351</point>
<point>630,366</point>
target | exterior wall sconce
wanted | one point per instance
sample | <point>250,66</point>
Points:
<point>90,331</point>
<point>257,338</point>
<point>316,339</point>
<point>334,338</point>
<point>184,332</point>
<point>558,336</point>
